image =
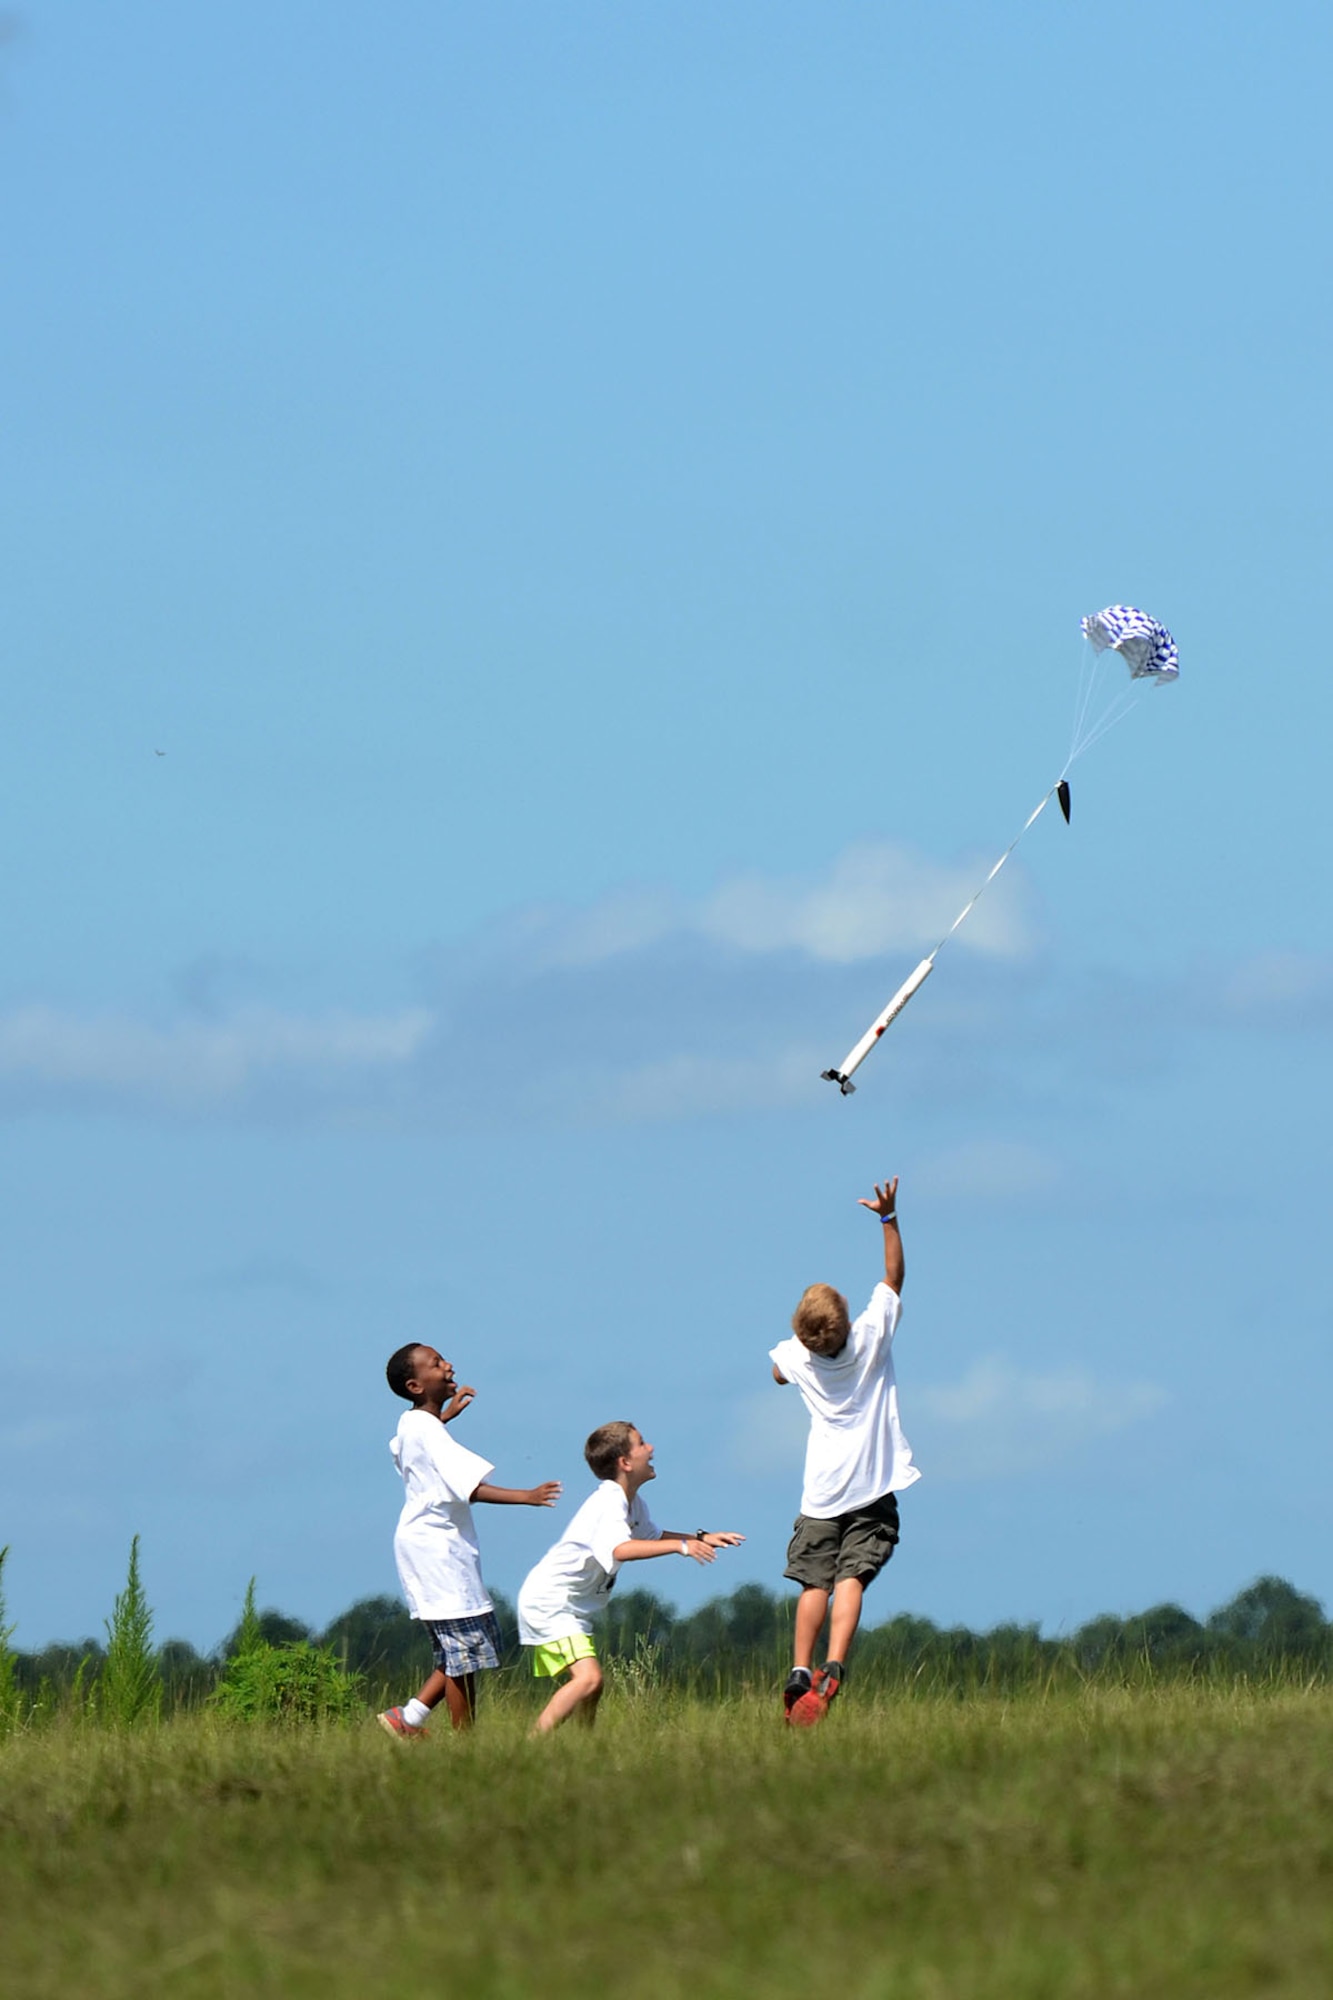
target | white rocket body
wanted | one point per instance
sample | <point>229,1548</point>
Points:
<point>852,1062</point>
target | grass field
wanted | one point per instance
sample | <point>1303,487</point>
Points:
<point>1171,1841</point>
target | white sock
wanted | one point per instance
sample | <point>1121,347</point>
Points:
<point>415,1714</point>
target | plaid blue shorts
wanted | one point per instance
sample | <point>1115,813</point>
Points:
<point>461,1645</point>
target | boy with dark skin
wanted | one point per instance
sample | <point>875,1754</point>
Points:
<point>435,1545</point>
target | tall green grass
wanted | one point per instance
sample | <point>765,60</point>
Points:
<point>1083,1843</point>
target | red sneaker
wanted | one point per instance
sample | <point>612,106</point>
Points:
<point>828,1680</point>
<point>394,1721</point>
<point>808,1709</point>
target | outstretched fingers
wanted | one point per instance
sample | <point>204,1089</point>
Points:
<point>886,1198</point>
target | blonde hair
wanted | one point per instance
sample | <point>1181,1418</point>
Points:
<point>821,1321</point>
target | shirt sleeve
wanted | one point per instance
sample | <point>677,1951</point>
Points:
<point>879,1322</point>
<point>787,1357</point>
<point>610,1528</point>
<point>459,1471</point>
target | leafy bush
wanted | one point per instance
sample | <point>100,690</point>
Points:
<point>292,1683</point>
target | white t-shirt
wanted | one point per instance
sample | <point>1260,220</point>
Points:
<point>572,1582</point>
<point>435,1544</point>
<point>856,1451</point>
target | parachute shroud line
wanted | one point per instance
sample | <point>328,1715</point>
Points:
<point>1148,650</point>
<point>854,1058</point>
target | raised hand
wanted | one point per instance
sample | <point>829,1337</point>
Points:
<point>886,1199</point>
<point>457,1403</point>
<point>544,1495</point>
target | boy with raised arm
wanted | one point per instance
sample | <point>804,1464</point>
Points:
<point>856,1462</point>
<point>572,1582</point>
<point>435,1545</point>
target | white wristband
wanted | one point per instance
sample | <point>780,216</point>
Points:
<point>684,1548</point>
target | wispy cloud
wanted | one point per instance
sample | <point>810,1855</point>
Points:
<point>999,1418</point>
<point>877,897</point>
<point>650,1006</point>
<point>687,1086</point>
<point>1281,989</point>
<point>646,1005</point>
<point>189,1062</point>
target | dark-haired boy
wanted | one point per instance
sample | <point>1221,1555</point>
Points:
<point>856,1462</point>
<point>435,1544</point>
<point>561,1597</point>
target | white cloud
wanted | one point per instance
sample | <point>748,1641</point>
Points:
<point>645,1006</point>
<point>194,1061</point>
<point>1000,1419</point>
<point>997,1420</point>
<point>875,898</point>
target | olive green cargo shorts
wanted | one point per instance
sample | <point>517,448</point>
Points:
<point>822,1553</point>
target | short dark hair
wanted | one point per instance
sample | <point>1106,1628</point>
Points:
<point>402,1369</point>
<point>606,1447</point>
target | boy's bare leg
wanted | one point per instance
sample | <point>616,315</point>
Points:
<point>579,1695</point>
<point>433,1690</point>
<point>811,1611</point>
<point>847,1595</point>
<point>460,1696</point>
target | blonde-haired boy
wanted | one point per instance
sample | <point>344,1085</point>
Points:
<point>857,1461</point>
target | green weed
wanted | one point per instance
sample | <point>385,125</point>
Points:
<point>129,1688</point>
<point>10,1699</point>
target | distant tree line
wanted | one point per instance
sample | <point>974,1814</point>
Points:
<point>734,1642</point>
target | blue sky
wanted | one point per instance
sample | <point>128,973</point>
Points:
<point>594,505</point>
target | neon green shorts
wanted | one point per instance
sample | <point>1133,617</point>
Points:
<point>553,1658</point>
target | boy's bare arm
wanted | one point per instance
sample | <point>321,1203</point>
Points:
<point>700,1548</point>
<point>544,1495</point>
<point>885,1206</point>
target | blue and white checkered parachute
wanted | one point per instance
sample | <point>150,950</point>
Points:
<point>1148,650</point>
<point>1145,646</point>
